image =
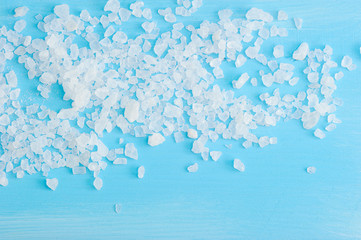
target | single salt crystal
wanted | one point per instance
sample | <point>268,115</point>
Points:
<point>319,133</point>
<point>148,26</point>
<point>141,171</point>
<point>131,151</point>
<point>339,75</point>
<point>311,170</point>
<point>273,65</point>
<point>4,120</point>
<point>178,137</point>
<point>170,17</point>
<point>238,165</point>
<point>119,161</point>
<point>110,31</point>
<point>258,14</point>
<point>79,170</point>
<point>240,60</point>
<point>330,127</point>
<point>347,63</point>
<point>282,16</point>
<point>215,155</point>
<point>52,183</point>
<point>117,207</point>
<point>298,22</point>
<point>132,110</point>
<point>191,133</point>
<point>21,11</point>
<point>225,13</point>
<point>301,52</point>
<point>313,77</point>
<point>252,52</point>
<point>147,13</point>
<point>193,168</point>
<point>241,81</point>
<point>11,79</point>
<point>121,140</point>
<point>98,183</point>
<point>254,82</point>
<point>263,141</point>
<point>62,11</point>
<point>124,14</point>
<point>155,139</point>
<point>112,6</point>
<point>268,79</point>
<point>3,180</point>
<point>310,119</point>
<point>278,51</point>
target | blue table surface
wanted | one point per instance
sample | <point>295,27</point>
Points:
<point>273,199</point>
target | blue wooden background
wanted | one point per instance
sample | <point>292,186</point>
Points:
<point>273,199</point>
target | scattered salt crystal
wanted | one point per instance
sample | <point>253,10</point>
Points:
<point>98,183</point>
<point>273,140</point>
<point>79,170</point>
<point>347,63</point>
<point>240,61</point>
<point>252,52</point>
<point>238,165</point>
<point>193,168</point>
<point>278,51</point>
<point>282,15</point>
<point>330,127</point>
<point>52,183</point>
<point>241,81</point>
<point>170,17</point>
<point>254,82</point>
<point>62,11</point>
<point>148,26</point>
<point>311,170</point>
<point>21,11</point>
<point>155,139</point>
<point>119,161</point>
<point>191,133</point>
<point>339,75</point>
<point>298,22</point>
<point>147,13</point>
<point>121,140</point>
<point>141,171</point>
<point>301,52</point>
<point>132,110</point>
<point>319,133</point>
<point>117,207</point>
<point>310,119</point>
<point>4,120</point>
<point>112,6</point>
<point>258,14</point>
<point>178,137</point>
<point>131,151</point>
<point>215,155</point>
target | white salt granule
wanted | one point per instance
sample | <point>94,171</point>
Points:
<point>319,133</point>
<point>339,75</point>
<point>193,168</point>
<point>215,155</point>
<point>21,11</point>
<point>282,16</point>
<point>52,183</point>
<point>98,183</point>
<point>155,139</point>
<point>301,52</point>
<point>238,165</point>
<point>119,161</point>
<point>347,63</point>
<point>258,14</point>
<point>112,6</point>
<point>240,61</point>
<point>278,51</point>
<point>141,171</point>
<point>132,110</point>
<point>117,207</point>
<point>131,151</point>
<point>311,170</point>
<point>62,11</point>
<point>310,119</point>
<point>298,23</point>
<point>241,81</point>
<point>192,133</point>
<point>330,127</point>
<point>79,170</point>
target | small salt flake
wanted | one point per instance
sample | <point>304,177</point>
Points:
<point>301,52</point>
<point>311,170</point>
<point>238,165</point>
<point>215,155</point>
<point>98,183</point>
<point>191,133</point>
<point>298,22</point>
<point>278,51</point>
<point>52,183</point>
<point>155,139</point>
<point>117,208</point>
<point>21,11</point>
<point>319,133</point>
<point>141,172</point>
<point>193,168</point>
<point>79,170</point>
<point>119,161</point>
<point>282,16</point>
<point>131,151</point>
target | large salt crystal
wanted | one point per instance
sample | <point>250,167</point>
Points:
<point>141,172</point>
<point>278,51</point>
<point>241,81</point>
<point>319,133</point>
<point>347,63</point>
<point>258,14</point>
<point>98,183</point>
<point>215,155</point>
<point>238,165</point>
<point>240,60</point>
<point>21,11</point>
<point>301,52</point>
<point>62,11</point>
<point>131,112</point>
<point>155,139</point>
<point>112,6</point>
<point>52,183</point>
<point>252,52</point>
<point>193,168</point>
<point>282,16</point>
<point>311,170</point>
<point>192,133</point>
<point>4,120</point>
<point>20,25</point>
<point>298,23</point>
<point>131,151</point>
<point>310,119</point>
